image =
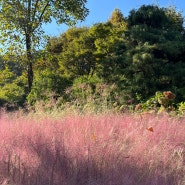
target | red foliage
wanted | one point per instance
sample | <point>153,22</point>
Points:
<point>169,95</point>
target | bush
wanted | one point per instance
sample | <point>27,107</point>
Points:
<point>47,84</point>
<point>93,93</point>
<point>12,94</point>
<point>181,108</point>
<point>162,101</point>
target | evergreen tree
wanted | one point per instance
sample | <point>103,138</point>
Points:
<point>156,50</point>
<point>117,18</point>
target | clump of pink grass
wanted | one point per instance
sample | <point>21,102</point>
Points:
<point>107,149</point>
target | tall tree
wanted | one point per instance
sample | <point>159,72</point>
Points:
<point>21,21</point>
<point>156,50</point>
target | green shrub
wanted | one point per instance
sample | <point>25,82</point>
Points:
<point>161,101</point>
<point>181,107</point>
<point>47,84</point>
<point>12,94</point>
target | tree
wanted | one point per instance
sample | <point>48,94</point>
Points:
<point>109,51</point>
<point>73,51</point>
<point>156,50</point>
<point>149,15</point>
<point>21,21</point>
<point>117,18</point>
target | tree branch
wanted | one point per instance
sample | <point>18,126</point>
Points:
<point>43,11</point>
<point>35,9</point>
<point>41,15</point>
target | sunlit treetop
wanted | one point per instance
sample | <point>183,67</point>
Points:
<point>117,18</point>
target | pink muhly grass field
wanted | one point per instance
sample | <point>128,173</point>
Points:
<point>107,149</point>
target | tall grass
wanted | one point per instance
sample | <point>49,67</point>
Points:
<point>91,149</point>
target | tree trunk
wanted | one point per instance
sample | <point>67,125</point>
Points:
<point>29,62</point>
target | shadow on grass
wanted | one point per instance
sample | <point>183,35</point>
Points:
<point>59,167</point>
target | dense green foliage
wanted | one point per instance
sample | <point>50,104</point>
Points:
<point>120,63</point>
<point>21,24</point>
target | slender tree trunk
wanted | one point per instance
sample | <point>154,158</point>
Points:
<point>29,62</point>
<point>29,48</point>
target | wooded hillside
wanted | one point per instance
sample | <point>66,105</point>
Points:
<point>121,62</point>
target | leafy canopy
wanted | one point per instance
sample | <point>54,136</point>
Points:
<point>21,23</point>
<point>26,17</point>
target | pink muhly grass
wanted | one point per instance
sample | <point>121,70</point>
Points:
<point>107,149</point>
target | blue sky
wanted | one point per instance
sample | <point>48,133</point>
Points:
<point>100,11</point>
